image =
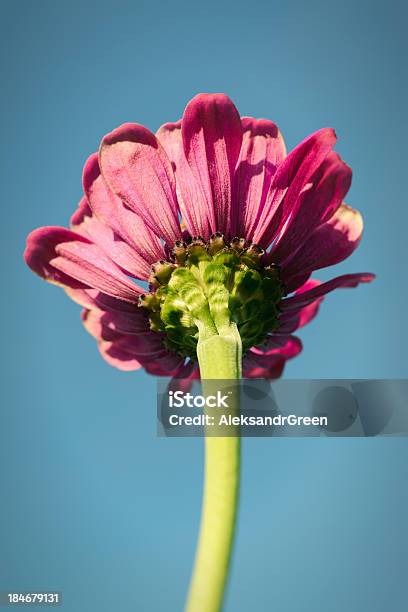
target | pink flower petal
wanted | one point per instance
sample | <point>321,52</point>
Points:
<point>290,179</point>
<point>118,358</point>
<point>117,355</point>
<point>317,203</point>
<point>130,351</point>
<point>137,169</point>
<point>286,346</point>
<point>329,244</point>
<point>135,323</point>
<point>197,216</point>
<point>269,360</point>
<point>295,282</point>
<point>120,322</point>
<point>307,297</point>
<point>101,326</point>
<point>93,299</point>
<point>269,368</point>
<point>212,137</point>
<point>263,149</point>
<point>169,364</point>
<point>83,297</point>
<point>107,207</point>
<point>187,374</point>
<point>121,253</point>
<point>294,319</point>
<point>70,259</point>
<point>87,263</point>
<point>41,250</point>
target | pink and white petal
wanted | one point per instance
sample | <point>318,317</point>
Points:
<point>197,216</point>
<point>317,203</point>
<point>212,137</point>
<point>307,297</point>
<point>111,211</point>
<point>41,249</point>
<point>262,150</point>
<point>329,244</point>
<point>88,264</point>
<point>289,180</point>
<point>137,169</point>
<point>121,253</point>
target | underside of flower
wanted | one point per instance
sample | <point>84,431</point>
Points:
<point>204,288</point>
<point>212,174</point>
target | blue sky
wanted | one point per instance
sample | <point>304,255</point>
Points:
<point>94,504</point>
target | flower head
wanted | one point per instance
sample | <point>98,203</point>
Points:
<point>222,224</point>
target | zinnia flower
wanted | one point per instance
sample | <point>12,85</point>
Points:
<point>225,230</point>
<point>221,223</point>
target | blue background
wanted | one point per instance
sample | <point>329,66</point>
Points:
<point>93,503</point>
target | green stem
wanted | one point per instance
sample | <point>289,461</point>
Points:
<point>220,359</point>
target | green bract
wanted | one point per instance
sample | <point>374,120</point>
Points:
<point>209,287</point>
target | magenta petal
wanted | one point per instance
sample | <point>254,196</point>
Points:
<point>134,323</point>
<point>197,216</point>
<point>290,179</point>
<point>279,345</point>
<point>307,297</point>
<point>212,137</point>
<point>119,321</point>
<point>107,207</point>
<point>317,203</point>
<point>118,358</point>
<point>329,244</point>
<point>185,377</point>
<point>111,244</point>
<point>169,364</point>
<point>87,263</point>
<point>294,319</point>
<point>262,150</point>
<point>101,326</point>
<point>295,282</point>
<point>83,210</point>
<point>268,361</point>
<point>137,169</point>
<point>130,351</point>
<point>83,297</point>
<point>265,367</point>
<point>41,250</point>
<point>92,299</point>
